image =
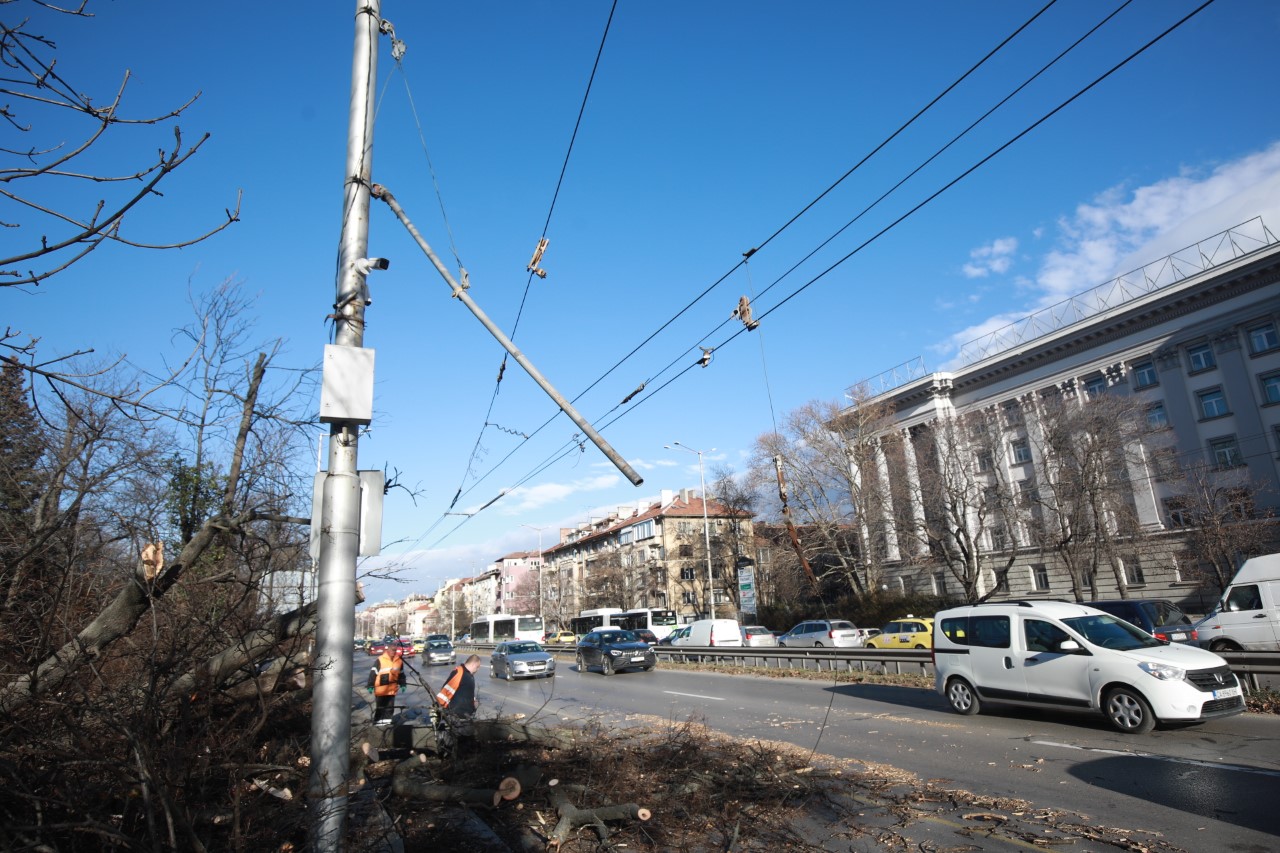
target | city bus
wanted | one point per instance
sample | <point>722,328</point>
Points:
<point>589,620</point>
<point>496,627</point>
<point>658,620</point>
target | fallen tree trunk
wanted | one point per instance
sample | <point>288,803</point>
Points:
<point>572,817</point>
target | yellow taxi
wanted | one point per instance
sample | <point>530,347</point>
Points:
<point>560,638</point>
<point>419,644</point>
<point>909,632</point>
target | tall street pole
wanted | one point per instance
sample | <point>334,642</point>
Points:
<point>541,609</point>
<point>340,500</point>
<point>706,527</point>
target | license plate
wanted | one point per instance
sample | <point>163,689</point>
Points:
<point>1177,636</point>
<point>1227,693</point>
<point>638,659</point>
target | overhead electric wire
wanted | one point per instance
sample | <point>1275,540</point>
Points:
<point>828,190</point>
<point>602,424</point>
<point>546,226</point>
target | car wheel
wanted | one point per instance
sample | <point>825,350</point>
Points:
<point>648,669</point>
<point>1128,712</point>
<point>962,698</point>
<point>920,646</point>
<point>582,665</point>
<point>1224,646</point>
<point>819,645</point>
<point>493,673</point>
<point>511,676</point>
<point>606,666</point>
<point>871,645</point>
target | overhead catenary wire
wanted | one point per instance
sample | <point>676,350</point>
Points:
<point>546,227</point>
<point>605,420</point>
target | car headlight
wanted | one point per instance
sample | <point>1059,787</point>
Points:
<point>1163,671</point>
<point>615,652</point>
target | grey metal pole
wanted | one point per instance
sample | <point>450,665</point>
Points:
<point>706,530</point>
<point>340,500</point>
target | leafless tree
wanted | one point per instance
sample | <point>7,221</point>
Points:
<point>1224,524</point>
<point>70,181</point>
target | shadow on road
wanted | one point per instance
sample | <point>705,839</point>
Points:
<point>1241,797</point>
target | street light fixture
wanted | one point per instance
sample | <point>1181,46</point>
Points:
<point>541,565</point>
<point>706,525</point>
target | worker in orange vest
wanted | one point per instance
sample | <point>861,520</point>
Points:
<point>385,680</point>
<point>457,699</point>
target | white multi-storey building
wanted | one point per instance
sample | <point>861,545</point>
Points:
<point>1194,336</point>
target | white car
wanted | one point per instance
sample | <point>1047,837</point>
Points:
<point>1056,654</point>
<point>829,633</point>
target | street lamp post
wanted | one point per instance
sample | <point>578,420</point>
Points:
<point>541,608</point>
<point>706,525</point>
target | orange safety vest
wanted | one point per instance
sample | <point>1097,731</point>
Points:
<point>445,696</point>
<point>387,681</point>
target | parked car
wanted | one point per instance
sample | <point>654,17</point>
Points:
<point>1157,616</point>
<point>909,632</point>
<point>646,635</point>
<point>1248,615</point>
<point>521,659</point>
<point>1064,655</point>
<point>614,650</point>
<point>439,651</point>
<point>560,638</point>
<point>758,636</point>
<point>836,633</point>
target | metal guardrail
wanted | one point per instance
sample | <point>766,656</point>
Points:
<point>1247,666</point>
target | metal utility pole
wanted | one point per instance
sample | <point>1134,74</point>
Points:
<point>541,609</point>
<point>340,502</point>
<point>706,527</point>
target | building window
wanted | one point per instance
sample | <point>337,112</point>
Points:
<point>1028,494</point>
<point>684,528</point>
<point>1133,572</point>
<point>1012,414</point>
<point>940,583</point>
<point>1226,452</point>
<point>984,461</point>
<point>1145,375</point>
<point>999,537</point>
<point>1157,416</point>
<point>1164,463</point>
<point>1213,403</point>
<point>1021,452</point>
<point>685,550</point>
<point>1040,577</point>
<point>686,598</point>
<point>1201,357</point>
<point>1095,385</point>
<point>1176,513</point>
<point>1263,338</point>
<point>1270,388</point>
<point>687,573</point>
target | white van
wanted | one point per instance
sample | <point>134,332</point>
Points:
<point>1058,654</point>
<point>710,632</point>
<point>1248,616</point>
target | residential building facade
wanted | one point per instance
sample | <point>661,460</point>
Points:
<point>1194,338</point>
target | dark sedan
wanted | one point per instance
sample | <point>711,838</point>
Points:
<point>614,650</point>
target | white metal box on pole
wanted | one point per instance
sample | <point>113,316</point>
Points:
<point>346,391</point>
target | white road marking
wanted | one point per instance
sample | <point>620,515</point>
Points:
<point>1215,765</point>
<point>695,696</point>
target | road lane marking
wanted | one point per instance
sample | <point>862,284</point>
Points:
<point>1215,765</point>
<point>695,696</point>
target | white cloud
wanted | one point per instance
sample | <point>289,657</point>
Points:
<point>1119,230</point>
<point>525,498</point>
<point>996,258</point>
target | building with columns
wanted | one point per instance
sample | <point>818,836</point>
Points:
<point>1195,337</point>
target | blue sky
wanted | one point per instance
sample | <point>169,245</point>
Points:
<point>709,126</point>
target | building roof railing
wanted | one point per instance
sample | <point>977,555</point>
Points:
<point>1197,258</point>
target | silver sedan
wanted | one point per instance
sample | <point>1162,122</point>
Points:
<point>521,659</point>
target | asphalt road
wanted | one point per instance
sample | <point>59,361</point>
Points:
<point>1209,787</point>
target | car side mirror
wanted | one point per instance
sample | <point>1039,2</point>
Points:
<point>1070,647</point>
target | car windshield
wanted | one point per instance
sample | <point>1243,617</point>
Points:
<point>619,637</point>
<point>1111,633</point>
<point>523,648</point>
<point>438,644</point>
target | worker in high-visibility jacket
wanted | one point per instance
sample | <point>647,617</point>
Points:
<point>458,703</point>
<point>385,680</point>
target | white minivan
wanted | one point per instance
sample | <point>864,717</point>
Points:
<point>1248,616</point>
<point>709,632</point>
<point>1058,654</point>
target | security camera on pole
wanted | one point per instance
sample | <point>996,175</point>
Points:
<point>706,525</point>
